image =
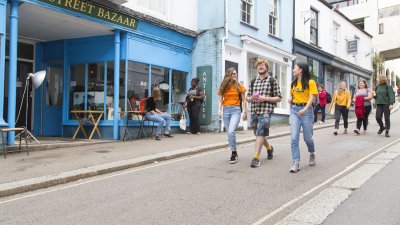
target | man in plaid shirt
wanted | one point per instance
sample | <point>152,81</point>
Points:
<point>263,98</point>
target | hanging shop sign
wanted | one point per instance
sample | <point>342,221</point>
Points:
<point>97,11</point>
<point>204,73</point>
<point>352,47</point>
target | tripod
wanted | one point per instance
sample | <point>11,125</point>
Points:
<point>28,135</point>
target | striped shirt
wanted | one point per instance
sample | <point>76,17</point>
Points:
<point>263,87</point>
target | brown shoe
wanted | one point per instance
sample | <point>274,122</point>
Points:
<point>168,135</point>
<point>158,138</point>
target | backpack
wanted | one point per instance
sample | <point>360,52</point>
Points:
<point>142,106</point>
<point>359,107</point>
<point>328,97</point>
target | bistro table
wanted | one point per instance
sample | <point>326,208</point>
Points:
<point>87,116</point>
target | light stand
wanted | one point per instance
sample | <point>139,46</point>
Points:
<point>37,80</point>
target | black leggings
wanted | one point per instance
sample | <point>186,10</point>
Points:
<point>344,112</point>
<point>383,109</point>
<point>364,121</point>
<point>194,117</point>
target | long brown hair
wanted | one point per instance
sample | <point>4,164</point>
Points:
<point>156,93</point>
<point>228,81</point>
<point>364,82</point>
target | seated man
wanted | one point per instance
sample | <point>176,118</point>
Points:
<point>154,114</point>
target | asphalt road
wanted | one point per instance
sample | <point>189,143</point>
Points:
<point>202,189</point>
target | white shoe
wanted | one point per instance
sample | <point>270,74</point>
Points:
<point>295,167</point>
<point>320,122</point>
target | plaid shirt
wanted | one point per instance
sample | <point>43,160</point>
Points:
<point>263,87</point>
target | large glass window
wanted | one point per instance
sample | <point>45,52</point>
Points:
<point>110,89</point>
<point>313,27</point>
<point>179,91</point>
<point>273,17</point>
<point>95,86</point>
<point>160,78</point>
<point>247,11</point>
<point>138,86</point>
<point>76,88</point>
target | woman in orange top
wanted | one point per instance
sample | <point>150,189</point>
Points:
<point>231,100</point>
<point>342,100</point>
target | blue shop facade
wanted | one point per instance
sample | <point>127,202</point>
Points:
<point>96,56</point>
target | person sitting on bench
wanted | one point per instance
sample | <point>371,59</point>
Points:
<point>154,114</point>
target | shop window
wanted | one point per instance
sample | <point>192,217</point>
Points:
<point>76,88</point>
<point>54,86</point>
<point>160,78</point>
<point>111,86</point>
<point>25,50</point>
<point>179,91</point>
<point>138,83</point>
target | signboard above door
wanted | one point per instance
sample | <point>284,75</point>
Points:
<point>96,11</point>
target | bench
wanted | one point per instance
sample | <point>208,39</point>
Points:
<point>21,129</point>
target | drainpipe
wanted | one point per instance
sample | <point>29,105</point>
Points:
<point>12,82</point>
<point>224,38</point>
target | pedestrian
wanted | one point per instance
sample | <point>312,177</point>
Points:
<point>366,94</point>
<point>264,92</point>
<point>341,100</point>
<point>194,100</point>
<point>303,90</point>
<point>322,97</point>
<point>154,114</point>
<point>384,103</point>
<point>231,102</point>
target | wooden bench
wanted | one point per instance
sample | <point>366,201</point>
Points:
<point>22,129</point>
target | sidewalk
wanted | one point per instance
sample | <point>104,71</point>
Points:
<point>21,173</point>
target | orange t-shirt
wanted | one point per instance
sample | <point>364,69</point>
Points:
<point>231,96</point>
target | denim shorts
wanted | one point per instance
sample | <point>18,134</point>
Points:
<point>260,124</point>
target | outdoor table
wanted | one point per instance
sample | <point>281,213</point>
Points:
<point>88,117</point>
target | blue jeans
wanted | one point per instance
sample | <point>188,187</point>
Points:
<point>231,117</point>
<point>317,108</point>
<point>160,119</point>
<point>296,122</point>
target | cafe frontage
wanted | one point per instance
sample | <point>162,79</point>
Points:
<point>97,57</point>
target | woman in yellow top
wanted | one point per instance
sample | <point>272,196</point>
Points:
<point>303,91</point>
<point>342,101</point>
<point>231,98</point>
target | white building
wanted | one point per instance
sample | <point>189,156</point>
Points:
<point>380,18</point>
<point>332,44</point>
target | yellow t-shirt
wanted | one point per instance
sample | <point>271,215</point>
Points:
<point>302,96</point>
<point>231,96</point>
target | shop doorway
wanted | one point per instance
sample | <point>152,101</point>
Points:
<point>52,100</point>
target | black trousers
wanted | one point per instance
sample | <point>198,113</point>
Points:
<point>364,121</point>
<point>344,112</point>
<point>383,109</point>
<point>194,117</point>
<point>317,108</point>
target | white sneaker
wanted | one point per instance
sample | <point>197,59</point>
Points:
<point>321,122</point>
<point>295,167</point>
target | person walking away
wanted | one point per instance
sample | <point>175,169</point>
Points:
<point>264,92</point>
<point>230,105</point>
<point>384,103</point>
<point>154,114</point>
<point>303,90</point>
<point>342,101</point>
<point>366,94</point>
<point>194,100</point>
<point>322,96</point>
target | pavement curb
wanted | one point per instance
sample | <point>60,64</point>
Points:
<point>18,187</point>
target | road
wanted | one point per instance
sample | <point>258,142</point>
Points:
<point>202,189</point>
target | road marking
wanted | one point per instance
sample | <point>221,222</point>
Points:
<point>286,205</point>
<point>113,175</point>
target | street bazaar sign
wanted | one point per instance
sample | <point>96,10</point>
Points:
<point>96,11</point>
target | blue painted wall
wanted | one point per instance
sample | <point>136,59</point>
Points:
<point>261,24</point>
<point>211,14</point>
